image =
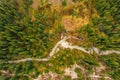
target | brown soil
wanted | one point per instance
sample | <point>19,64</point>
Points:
<point>72,23</point>
<point>35,4</point>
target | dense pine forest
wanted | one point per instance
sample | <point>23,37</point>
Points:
<point>59,39</point>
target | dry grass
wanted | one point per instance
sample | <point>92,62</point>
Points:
<point>72,23</point>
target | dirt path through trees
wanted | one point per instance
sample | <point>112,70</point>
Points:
<point>64,44</point>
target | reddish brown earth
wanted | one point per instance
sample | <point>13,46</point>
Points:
<point>35,4</point>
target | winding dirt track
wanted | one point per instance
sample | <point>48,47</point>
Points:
<point>64,44</point>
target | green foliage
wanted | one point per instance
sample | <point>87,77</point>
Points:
<point>22,37</point>
<point>109,8</point>
<point>79,72</point>
<point>8,12</point>
<point>64,3</point>
<point>113,63</point>
<point>90,60</point>
<point>77,0</point>
<point>30,1</point>
<point>104,31</point>
<point>108,23</point>
<point>2,78</point>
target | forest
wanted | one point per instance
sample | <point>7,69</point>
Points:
<point>45,39</point>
